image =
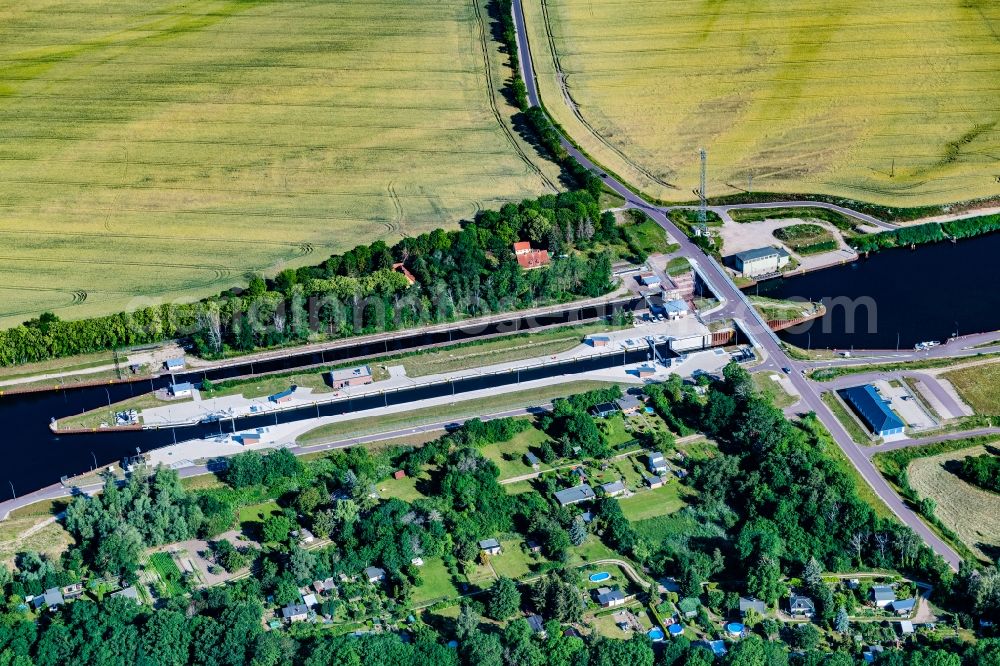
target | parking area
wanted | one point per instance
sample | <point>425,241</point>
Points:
<point>902,401</point>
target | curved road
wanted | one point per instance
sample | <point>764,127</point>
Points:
<point>739,307</point>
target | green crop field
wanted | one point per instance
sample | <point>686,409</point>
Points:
<point>886,102</point>
<point>155,149</point>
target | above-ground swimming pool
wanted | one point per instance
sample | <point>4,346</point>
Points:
<point>675,629</point>
<point>735,628</point>
<point>655,634</point>
<point>599,576</point>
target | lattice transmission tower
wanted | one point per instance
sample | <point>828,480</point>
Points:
<point>703,208</point>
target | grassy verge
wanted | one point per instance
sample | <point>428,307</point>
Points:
<point>847,419</point>
<point>95,417</point>
<point>678,266</point>
<point>457,411</point>
<point>979,386</point>
<point>842,222</point>
<point>826,374</point>
<point>773,390</point>
<point>498,350</point>
<point>771,308</point>
<point>58,365</point>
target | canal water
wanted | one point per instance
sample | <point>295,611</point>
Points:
<point>899,297</point>
<point>34,457</point>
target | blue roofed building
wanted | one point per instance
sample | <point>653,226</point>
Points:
<point>873,410</point>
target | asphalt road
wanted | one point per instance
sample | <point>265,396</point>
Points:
<point>739,307</point>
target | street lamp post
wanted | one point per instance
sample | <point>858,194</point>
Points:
<point>95,459</point>
<point>12,488</point>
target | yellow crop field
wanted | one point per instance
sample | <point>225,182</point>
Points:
<point>164,149</point>
<point>973,513</point>
<point>892,103</point>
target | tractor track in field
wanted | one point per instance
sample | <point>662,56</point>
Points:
<point>575,109</point>
<point>121,188</point>
<point>484,47</point>
<point>167,237</point>
<point>219,269</point>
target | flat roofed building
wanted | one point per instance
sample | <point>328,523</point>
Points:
<point>760,261</point>
<point>649,279</point>
<point>181,390</point>
<point>675,309</point>
<point>358,376</point>
<point>873,410</point>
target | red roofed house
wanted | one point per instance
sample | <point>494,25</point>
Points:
<point>400,268</point>
<point>529,257</point>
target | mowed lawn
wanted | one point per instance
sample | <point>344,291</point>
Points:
<point>895,103</point>
<point>163,149</point>
<point>509,455</point>
<point>979,386</point>
<point>973,513</point>
<point>662,501</point>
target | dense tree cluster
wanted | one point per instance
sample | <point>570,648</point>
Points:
<point>789,507</point>
<point>468,271</point>
<point>931,232</point>
<point>252,468</point>
<point>113,528</point>
<point>571,425</point>
<point>983,471</point>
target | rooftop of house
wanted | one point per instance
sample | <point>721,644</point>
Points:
<point>575,494</point>
<point>800,602</point>
<point>613,487</point>
<point>489,543</point>
<point>748,603</point>
<point>629,401</point>
<point>292,610</point>
<point>883,593</point>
